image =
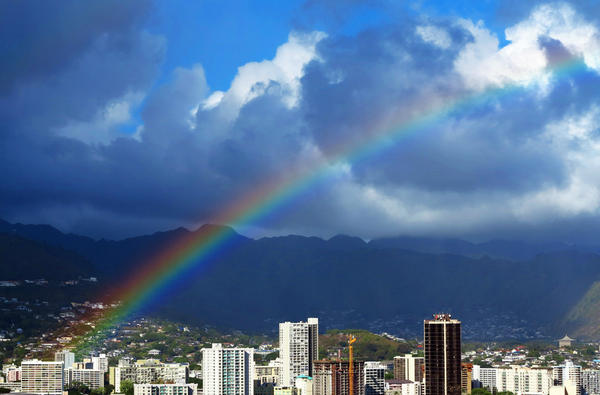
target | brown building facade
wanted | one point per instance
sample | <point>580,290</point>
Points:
<point>442,356</point>
<point>467,378</point>
<point>332,378</point>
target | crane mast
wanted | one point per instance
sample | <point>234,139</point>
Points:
<point>351,340</point>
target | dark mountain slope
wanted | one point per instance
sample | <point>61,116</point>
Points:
<point>23,259</point>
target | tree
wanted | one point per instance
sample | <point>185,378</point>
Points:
<point>480,391</point>
<point>389,375</point>
<point>195,380</point>
<point>4,390</point>
<point>78,388</point>
<point>126,387</point>
<point>108,389</point>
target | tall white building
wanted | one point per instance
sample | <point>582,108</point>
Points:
<point>100,363</point>
<point>65,356</point>
<point>484,377</point>
<point>40,377</point>
<point>374,378</point>
<point>524,380</point>
<point>298,349</point>
<point>227,371</point>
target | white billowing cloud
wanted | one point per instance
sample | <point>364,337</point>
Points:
<point>523,61</point>
<point>285,69</point>
<point>434,35</point>
<point>561,23</point>
<point>481,63</point>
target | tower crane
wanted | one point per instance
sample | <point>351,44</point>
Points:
<point>351,340</point>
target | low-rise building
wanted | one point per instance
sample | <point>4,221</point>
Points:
<point>165,389</point>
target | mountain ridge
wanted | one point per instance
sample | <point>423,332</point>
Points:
<point>379,281</point>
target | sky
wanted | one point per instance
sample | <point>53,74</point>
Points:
<point>125,118</point>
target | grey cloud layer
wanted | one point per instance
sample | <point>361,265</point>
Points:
<point>501,167</point>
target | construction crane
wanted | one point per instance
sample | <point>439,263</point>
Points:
<point>351,340</point>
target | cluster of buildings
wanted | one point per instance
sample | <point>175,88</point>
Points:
<point>298,370</point>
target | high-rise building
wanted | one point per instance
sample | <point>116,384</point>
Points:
<point>522,380</point>
<point>92,378</point>
<point>332,378</point>
<point>442,355</point>
<point>568,374</point>
<point>165,389</point>
<point>298,348</point>
<point>227,371</point>
<point>65,356</point>
<point>374,378</point>
<point>40,377</point>
<point>100,363</point>
<point>409,367</point>
<point>484,377</point>
<point>590,381</point>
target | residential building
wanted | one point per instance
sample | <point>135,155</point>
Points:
<point>332,378</point>
<point>12,373</point>
<point>484,377</point>
<point>298,348</point>
<point>590,381</point>
<point>165,389</point>
<point>374,378</point>
<point>228,371</point>
<point>93,378</point>
<point>100,363</point>
<point>466,378</point>
<point>66,356</point>
<point>409,367</point>
<point>442,355</point>
<point>568,374</point>
<point>285,391</point>
<point>267,374</point>
<point>524,380</point>
<point>304,385</point>
<point>147,371</point>
<point>403,387</point>
<point>41,377</point>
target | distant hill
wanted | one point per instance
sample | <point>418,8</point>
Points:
<point>368,347</point>
<point>387,283</point>
<point>23,259</point>
<point>583,320</point>
<point>505,249</point>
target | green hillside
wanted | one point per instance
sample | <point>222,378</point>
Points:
<point>583,320</point>
<point>368,346</point>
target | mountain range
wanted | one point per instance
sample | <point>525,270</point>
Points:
<point>385,284</point>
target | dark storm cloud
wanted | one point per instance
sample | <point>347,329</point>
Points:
<point>39,37</point>
<point>478,171</point>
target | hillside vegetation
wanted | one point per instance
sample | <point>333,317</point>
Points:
<point>368,346</point>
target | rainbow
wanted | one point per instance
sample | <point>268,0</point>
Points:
<point>195,249</point>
